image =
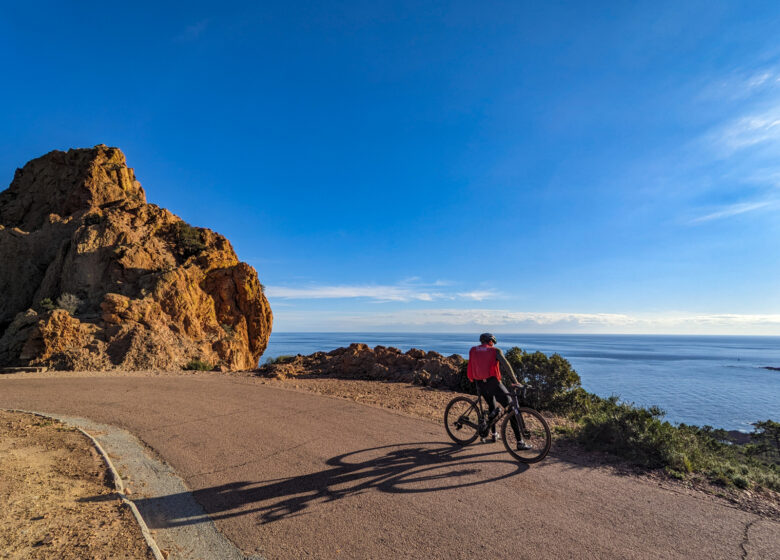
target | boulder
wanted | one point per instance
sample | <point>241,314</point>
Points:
<point>93,277</point>
<point>359,361</point>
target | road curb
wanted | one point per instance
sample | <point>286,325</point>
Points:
<point>119,485</point>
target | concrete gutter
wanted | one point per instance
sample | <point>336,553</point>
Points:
<point>180,528</point>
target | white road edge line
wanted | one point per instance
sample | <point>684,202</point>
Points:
<point>118,484</point>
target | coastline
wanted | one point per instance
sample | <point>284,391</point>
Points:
<point>699,380</point>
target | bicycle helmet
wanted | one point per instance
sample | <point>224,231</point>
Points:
<point>484,338</point>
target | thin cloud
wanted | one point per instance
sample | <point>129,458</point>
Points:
<point>403,292</point>
<point>478,295</point>
<point>192,32</point>
<point>741,83</point>
<point>493,317</point>
<point>758,80</point>
<point>732,210</point>
<point>460,320</point>
<point>749,130</point>
<point>378,293</point>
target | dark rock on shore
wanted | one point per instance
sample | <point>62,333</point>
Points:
<point>359,361</point>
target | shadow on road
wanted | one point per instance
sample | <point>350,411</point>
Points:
<point>401,468</point>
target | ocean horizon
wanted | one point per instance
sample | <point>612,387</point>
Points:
<point>714,380</point>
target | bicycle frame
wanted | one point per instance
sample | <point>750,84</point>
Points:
<point>531,436</point>
<point>512,407</point>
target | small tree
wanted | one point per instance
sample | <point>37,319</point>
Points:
<point>189,238</point>
<point>552,378</point>
<point>766,440</point>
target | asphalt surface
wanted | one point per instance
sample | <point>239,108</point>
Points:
<point>291,475</point>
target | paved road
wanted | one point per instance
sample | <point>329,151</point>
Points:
<point>292,475</point>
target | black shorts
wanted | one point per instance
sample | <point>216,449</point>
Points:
<point>491,388</point>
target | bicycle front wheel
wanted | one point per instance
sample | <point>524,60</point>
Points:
<point>461,419</point>
<point>535,439</point>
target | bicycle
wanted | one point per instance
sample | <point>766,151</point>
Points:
<point>465,420</point>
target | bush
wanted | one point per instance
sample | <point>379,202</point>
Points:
<point>741,482</point>
<point>198,365</point>
<point>641,436</point>
<point>766,441</point>
<point>47,304</point>
<point>552,378</point>
<point>279,360</point>
<point>188,238</point>
<point>631,432</point>
<point>69,303</point>
<point>464,385</point>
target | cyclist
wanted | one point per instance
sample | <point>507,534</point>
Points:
<point>486,362</point>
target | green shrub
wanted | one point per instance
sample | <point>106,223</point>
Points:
<point>766,441</point>
<point>551,377</point>
<point>641,436</point>
<point>741,481</point>
<point>279,360</point>
<point>674,474</point>
<point>464,385</point>
<point>198,365</point>
<point>188,238</point>
<point>47,304</point>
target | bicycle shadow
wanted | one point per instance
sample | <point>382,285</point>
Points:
<point>398,468</point>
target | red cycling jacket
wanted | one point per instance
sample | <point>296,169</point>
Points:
<point>483,363</point>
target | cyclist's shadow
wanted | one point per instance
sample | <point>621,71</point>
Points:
<point>400,468</point>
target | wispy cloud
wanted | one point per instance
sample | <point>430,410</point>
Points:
<point>478,295</point>
<point>758,80</point>
<point>462,320</point>
<point>749,130</point>
<point>733,210</point>
<point>405,291</point>
<point>192,32</point>
<point>738,157</point>
<point>495,317</point>
<point>377,293</point>
<point>742,83</point>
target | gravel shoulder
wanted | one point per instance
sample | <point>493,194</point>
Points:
<point>57,497</point>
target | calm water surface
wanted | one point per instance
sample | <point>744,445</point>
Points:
<point>703,380</point>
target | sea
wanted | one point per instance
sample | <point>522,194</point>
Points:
<point>718,381</point>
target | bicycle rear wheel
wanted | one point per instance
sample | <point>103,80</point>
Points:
<point>461,419</point>
<point>534,432</point>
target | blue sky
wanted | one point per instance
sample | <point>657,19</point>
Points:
<point>438,166</point>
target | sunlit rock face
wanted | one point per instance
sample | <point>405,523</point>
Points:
<point>93,277</point>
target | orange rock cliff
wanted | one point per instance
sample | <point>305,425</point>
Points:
<point>92,277</point>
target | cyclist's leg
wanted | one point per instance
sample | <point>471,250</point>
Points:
<point>502,396</point>
<point>486,391</point>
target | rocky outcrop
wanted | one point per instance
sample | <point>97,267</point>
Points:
<point>93,277</point>
<point>380,363</point>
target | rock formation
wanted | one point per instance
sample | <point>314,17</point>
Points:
<point>382,363</point>
<point>92,277</point>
